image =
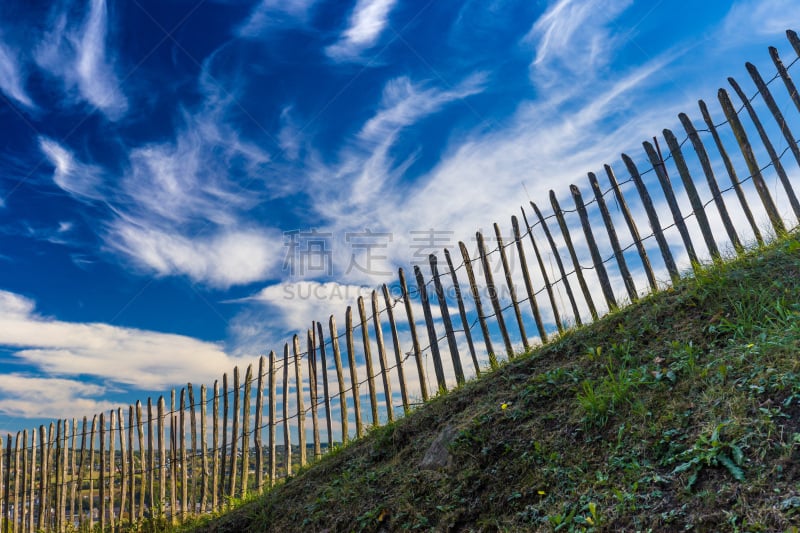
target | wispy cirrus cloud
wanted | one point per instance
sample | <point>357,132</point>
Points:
<point>12,79</point>
<point>179,207</point>
<point>562,43</point>
<point>366,164</point>
<point>77,52</point>
<point>365,26</point>
<point>271,14</point>
<point>761,18</point>
<point>81,180</point>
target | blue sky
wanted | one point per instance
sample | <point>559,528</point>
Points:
<point>160,160</point>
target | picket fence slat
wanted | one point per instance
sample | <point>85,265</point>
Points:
<point>351,361</point>
<point>325,386</point>
<point>669,194</point>
<point>750,160</point>
<point>773,155</point>
<point>462,312</point>
<point>691,191</point>
<point>455,356</point>
<point>193,452</point>
<point>257,442</point>
<point>765,93</point>
<point>387,386</point>
<point>655,223</point>
<point>248,381</point>
<point>491,288</point>
<point>526,278</point>
<point>476,298</point>
<point>215,459</point>
<point>412,329</point>
<point>784,74</point>
<point>562,224</point>
<point>433,340</point>
<point>512,291</point>
<point>543,271</point>
<point>597,260</point>
<point>398,354</point>
<point>560,264</point>
<point>273,456</point>
<point>337,361</point>
<point>731,171</point>
<point>711,179</point>
<point>312,385</point>
<point>287,436</point>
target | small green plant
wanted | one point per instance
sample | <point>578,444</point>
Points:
<point>711,451</point>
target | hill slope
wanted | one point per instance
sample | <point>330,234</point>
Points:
<point>681,411</point>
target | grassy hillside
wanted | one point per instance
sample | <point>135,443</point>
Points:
<point>680,412</point>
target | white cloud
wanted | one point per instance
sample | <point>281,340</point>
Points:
<point>126,356</point>
<point>79,179</point>
<point>296,301</point>
<point>403,103</point>
<point>227,257</point>
<point>270,14</point>
<point>12,81</point>
<point>365,164</point>
<point>761,18</point>
<point>367,21</point>
<point>78,54</point>
<point>563,44</point>
<point>40,397</point>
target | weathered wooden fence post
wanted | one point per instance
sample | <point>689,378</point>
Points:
<point>559,263</point>
<point>630,287</point>
<point>476,297</point>
<point>773,155</point>
<point>313,389</point>
<point>708,171</point>
<point>492,290</point>
<point>666,186</point>
<point>273,459</point>
<point>547,285</point>
<point>301,410</point>
<point>731,170</point>
<point>433,341</point>
<point>235,433</point>
<point>287,434</point>
<point>512,291</point>
<point>204,450</point>
<point>258,426</point>
<point>597,260</point>
<point>398,356</point>
<point>325,387</point>
<point>423,382</point>
<point>387,386</point>
<point>462,311</point>
<point>562,224</point>
<point>248,382</point>
<point>373,399</point>
<point>523,264</point>
<point>752,164</point>
<point>447,323</point>
<point>351,361</point>
<point>655,223</point>
<point>215,459</point>
<point>337,361</point>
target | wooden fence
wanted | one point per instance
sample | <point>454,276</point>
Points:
<point>552,272</point>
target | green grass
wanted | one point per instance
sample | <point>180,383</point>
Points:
<point>680,412</point>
